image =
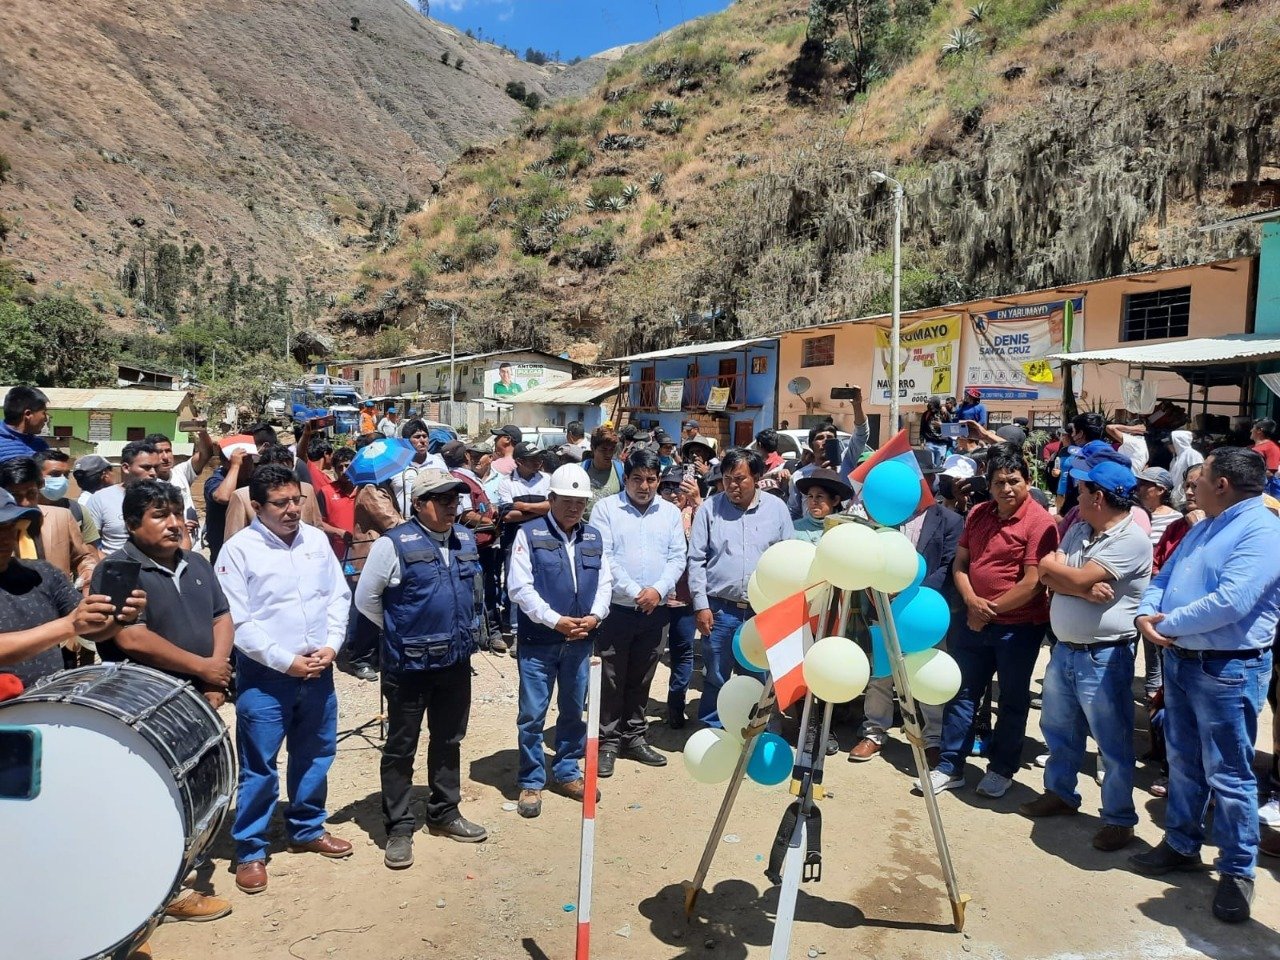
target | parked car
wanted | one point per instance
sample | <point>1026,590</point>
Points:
<point>793,444</point>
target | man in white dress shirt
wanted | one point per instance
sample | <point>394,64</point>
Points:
<point>289,603</point>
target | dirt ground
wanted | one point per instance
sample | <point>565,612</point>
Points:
<point>1039,889</point>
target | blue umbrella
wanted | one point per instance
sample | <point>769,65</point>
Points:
<point>380,461</point>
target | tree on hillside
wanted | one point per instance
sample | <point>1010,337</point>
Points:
<point>853,33</point>
<point>536,57</point>
<point>20,348</point>
<point>74,346</point>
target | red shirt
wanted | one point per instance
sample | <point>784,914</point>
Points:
<point>1270,452</point>
<point>340,504</point>
<point>999,549</point>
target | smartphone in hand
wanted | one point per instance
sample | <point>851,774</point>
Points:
<point>119,580</point>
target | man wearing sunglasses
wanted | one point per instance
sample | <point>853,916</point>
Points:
<point>422,586</point>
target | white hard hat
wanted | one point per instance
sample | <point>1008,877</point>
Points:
<point>571,481</point>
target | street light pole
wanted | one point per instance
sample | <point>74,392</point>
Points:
<point>453,343</point>
<point>895,349</point>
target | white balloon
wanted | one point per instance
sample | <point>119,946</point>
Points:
<point>848,555</point>
<point>933,675</point>
<point>836,669</point>
<point>752,645</point>
<point>735,701</point>
<point>710,755</point>
<point>900,562</point>
<point>759,600</point>
<point>783,569</point>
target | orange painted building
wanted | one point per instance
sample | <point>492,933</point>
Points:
<point>997,345</point>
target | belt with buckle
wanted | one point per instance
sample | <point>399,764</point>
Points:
<point>1182,653</point>
<point>740,604</point>
<point>1100,645</point>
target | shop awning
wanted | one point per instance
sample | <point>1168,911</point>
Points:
<point>1240,349</point>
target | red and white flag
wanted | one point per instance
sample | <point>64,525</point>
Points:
<point>787,632</point>
<point>900,449</point>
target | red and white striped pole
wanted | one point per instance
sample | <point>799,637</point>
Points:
<point>588,854</point>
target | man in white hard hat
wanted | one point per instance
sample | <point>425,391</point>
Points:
<point>560,583</point>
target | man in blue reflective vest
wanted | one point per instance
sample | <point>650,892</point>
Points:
<point>421,584</point>
<point>560,582</point>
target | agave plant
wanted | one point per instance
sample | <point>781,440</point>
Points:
<point>978,11</point>
<point>630,193</point>
<point>615,204</point>
<point>656,181</point>
<point>647,122</point>
<point>591,205</point>
<point>960,41</point>
<point>662,108</point>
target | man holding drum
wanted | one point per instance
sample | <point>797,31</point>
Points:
<point>186,630</point>
<point>289,602</point>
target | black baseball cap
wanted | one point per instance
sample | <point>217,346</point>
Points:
<point>526,451</point>
<point>509,431</point>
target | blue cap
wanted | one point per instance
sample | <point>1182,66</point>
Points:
<point>1107,472</point>
<point>391,409</point>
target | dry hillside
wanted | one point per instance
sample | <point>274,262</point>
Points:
<point>267,130</point>
<point>718,180</point>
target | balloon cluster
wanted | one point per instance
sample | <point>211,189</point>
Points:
<point>850,556</point>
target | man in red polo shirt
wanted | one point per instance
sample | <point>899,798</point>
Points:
<point>996,573</point>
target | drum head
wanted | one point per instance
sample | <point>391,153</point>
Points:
<point>91,859</point>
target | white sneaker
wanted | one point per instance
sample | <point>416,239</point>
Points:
<point>1269,813</point>
<point>940,781</point>
<point>994,786</point>
<point>1042,760</point>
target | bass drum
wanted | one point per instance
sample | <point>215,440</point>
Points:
<point>135,774</point>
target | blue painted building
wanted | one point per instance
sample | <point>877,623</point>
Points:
<point>730,388</point>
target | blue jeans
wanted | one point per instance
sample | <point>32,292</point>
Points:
<point>717,656</point>
<point>939,451</point>
<point>542,666</point>
<point>1087,692</point>
<point>274,709</point>
<point>1006,651</point>
<point>1211,723</point>
<point>681,630</point>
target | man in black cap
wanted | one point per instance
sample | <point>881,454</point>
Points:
<point>505,439</point>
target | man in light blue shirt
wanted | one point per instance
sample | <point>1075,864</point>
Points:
<point>644,540</point>
<point>729,534</point>
<point>1213,608</point>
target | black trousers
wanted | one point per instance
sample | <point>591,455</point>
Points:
<point>444,697</point>
<point>629,646</point>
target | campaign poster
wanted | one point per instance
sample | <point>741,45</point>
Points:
<point>1005,350</point>
<point>671,396</point>
<point>926,360</point>
<point>506,380</point>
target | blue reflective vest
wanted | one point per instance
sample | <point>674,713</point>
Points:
<point>553,580</point>
<point>430,620</point>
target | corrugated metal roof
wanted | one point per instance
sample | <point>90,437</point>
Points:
<point>1261,216</point>
<point>586,390</point>
<point>696,349</point>
<point>1204,351</point>
<point>65,398</point>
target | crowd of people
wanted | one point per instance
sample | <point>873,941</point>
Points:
<point>629,544</point>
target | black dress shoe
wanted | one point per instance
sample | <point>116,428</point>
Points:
<point>604,767</point>
<point>460,829</point>
<point>1232,901</point>
<point>643,753</point>
<point>1163,859</point>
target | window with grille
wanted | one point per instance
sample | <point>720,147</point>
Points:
<point>818,351</point>
<point>1157,315</point>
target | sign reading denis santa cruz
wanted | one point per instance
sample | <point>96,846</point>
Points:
<point>1005,350</point>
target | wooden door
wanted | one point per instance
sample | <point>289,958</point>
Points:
<point>743,433</point>
<point>728,377</point>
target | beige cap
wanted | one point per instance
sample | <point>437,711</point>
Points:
<point>436,481</point>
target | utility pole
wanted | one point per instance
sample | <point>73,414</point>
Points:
<point>895,350</point>
<point>453,349</point>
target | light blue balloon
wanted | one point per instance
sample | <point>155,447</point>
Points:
<point>879,653</point>
<point>891,493</point>
<point>747,666</point>
<point>921,570</point>
<point>771,761</point>
<point>922,618</point>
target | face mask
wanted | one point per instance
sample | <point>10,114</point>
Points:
<point>55,488</point>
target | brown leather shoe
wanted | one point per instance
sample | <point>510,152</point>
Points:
<point>197,908</point>
<point>327,846</point>
<point>1269,844</point>
<point>1112,837</point>
<point>251,877</point>
<point>1049,804</point>
<point>530,804</point>
<point>573,789</point>
<point>864,750</point>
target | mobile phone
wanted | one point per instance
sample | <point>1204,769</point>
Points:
<point>19,763</point>
<point>119,580</point>
<point>846,393</point>
<point>192,426</point>
<point>689,472</point>
<point>831,452</point>
<point>953,431</point>
<point>978,485</point>
<point>327,420</point>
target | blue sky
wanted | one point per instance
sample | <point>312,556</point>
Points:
<point>574,27</point>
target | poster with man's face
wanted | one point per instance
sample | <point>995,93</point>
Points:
<point>505,380</point>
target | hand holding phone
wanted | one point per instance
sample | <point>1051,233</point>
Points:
<point>119,578</point>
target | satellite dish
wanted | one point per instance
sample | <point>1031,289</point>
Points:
<point>798,385</point>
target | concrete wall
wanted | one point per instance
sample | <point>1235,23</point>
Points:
<point>559,414</point>
<point>1220,304</point>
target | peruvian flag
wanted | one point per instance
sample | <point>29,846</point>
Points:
<point>899,448</point>
<point>787,632</point>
